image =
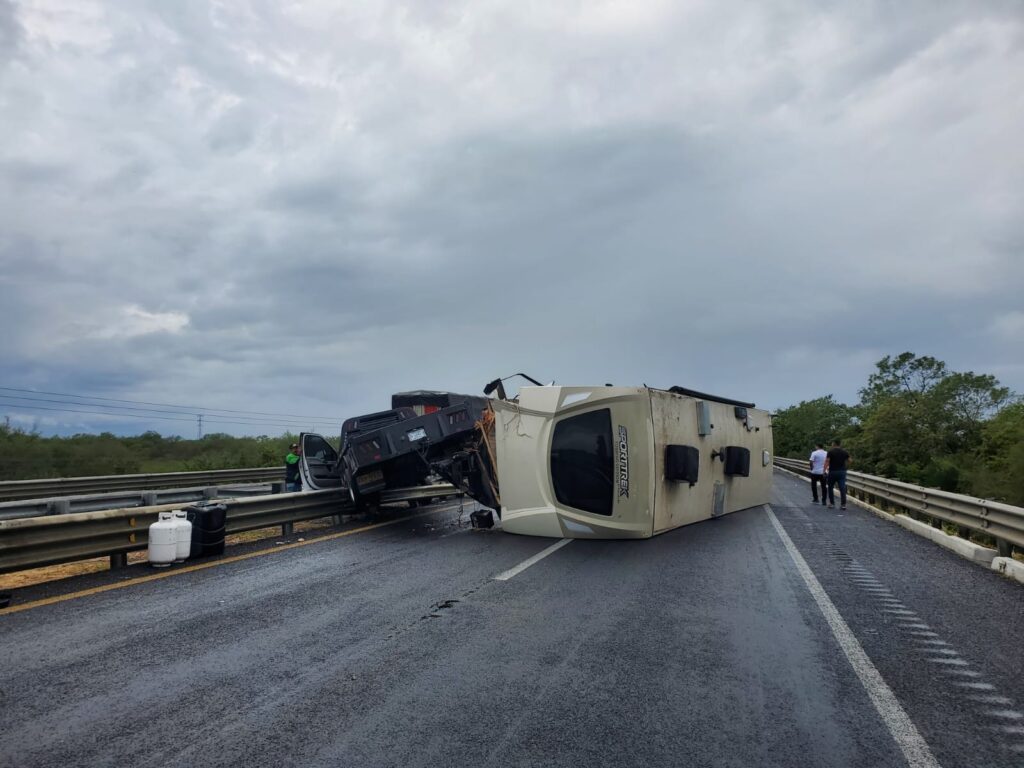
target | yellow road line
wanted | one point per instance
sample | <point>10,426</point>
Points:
<point>200,566</point>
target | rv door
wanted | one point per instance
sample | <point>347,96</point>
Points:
<point>318,464</point>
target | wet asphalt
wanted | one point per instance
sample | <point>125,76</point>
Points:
<point>395,647</point>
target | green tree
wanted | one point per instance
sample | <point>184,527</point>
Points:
<point>958,406</point>
<point>796,429</point>
<point>906,374</point>
<point>999,473</point>
<point>919,421</point>
<point>25,454</point>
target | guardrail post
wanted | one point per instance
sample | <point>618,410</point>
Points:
<point>287,529</point>
<point>1004,547</point>
<point>211,492</point>
<point>277,487</point>
<point>149,499</point>
<point>59,507</point>
<point>118,560</point>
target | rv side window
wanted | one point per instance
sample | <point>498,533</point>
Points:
<point>581,462</point>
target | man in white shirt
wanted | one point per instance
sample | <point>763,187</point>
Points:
<point>817,464</point>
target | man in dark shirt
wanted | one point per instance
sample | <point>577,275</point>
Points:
<point>836,462</point>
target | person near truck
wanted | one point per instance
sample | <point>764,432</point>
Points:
<point>817,466</point>
<point>836,462</point>
<point>292,483</point>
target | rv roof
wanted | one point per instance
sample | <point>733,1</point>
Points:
<point>706,396</point>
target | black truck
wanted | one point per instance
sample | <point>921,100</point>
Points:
<point>400,448</point>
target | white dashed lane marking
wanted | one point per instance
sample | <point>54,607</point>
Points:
<point>506,575</point>
<point>902,729</point>
<point>983,697</point>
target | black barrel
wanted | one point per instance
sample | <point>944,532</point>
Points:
<point>208,523</point>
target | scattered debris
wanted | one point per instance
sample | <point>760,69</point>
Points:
<point>482,518</point>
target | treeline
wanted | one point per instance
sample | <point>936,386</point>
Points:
<point>25,455</point>
<point>920,422</point>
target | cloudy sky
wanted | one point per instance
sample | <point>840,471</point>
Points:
<point>303,207</point>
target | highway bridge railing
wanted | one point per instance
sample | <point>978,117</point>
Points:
<point>95,502</point>
<point>13,490</point>
<point>52,539</point>
<point>1003,522</point>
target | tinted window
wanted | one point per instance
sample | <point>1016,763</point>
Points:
<point>315,447</point>
<point>581,462</point>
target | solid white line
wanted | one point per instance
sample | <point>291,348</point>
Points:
<point>904,732</point>
<point>506,575</point>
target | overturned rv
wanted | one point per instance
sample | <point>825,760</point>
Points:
<point>574,462</point>
<point>626,462</point>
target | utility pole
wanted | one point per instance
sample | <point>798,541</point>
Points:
<point>199,426</point>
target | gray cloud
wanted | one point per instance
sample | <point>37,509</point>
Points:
<point>10,32</point>
<point>345,201</point>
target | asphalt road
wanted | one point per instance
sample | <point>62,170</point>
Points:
<point>397,647</point>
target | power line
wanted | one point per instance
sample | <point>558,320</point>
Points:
<point>256,420</point>
<point>167,405</point>
<point>94,413</point>
<point>139,416</point>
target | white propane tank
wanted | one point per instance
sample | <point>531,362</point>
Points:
<point>183,535</point>
<point>163,545</point>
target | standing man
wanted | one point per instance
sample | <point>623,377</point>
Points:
<point>836,462</point>
<point>292,484</point>
<point>817,465</point>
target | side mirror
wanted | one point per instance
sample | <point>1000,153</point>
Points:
<point>495,385</point>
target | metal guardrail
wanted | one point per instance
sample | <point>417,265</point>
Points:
<point>12,510</point>
<point>1004,522</point>
<point>12,490</point>
<point>37,541</point>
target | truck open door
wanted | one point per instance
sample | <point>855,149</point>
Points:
<point>318,463</point>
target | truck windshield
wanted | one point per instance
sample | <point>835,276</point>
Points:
<point>581,462</point>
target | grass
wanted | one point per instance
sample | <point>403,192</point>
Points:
<point>33,576</point>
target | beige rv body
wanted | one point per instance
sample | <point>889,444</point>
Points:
<point>642,423</point>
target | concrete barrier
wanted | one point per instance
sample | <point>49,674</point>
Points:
<point>1009,567</point>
